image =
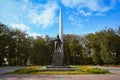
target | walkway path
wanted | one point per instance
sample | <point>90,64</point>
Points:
<point>9,69</point>
<point>115,76</point>
<point>111,69</point>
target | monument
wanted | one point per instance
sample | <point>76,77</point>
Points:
<point>57,61</point>
<point>58,52</point>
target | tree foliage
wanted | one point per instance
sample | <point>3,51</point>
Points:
<point>18,48</point>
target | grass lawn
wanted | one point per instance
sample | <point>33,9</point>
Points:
<point>38,70</point>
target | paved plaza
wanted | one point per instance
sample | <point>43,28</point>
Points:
<point>114,76</point>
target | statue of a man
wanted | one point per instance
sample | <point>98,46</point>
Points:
<point>57,43</point>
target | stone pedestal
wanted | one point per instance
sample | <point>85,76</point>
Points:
<point>57,59</point>
<point>57,64</point>
<point>60,68</point>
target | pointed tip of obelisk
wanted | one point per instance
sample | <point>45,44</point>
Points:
<point>60,9</point>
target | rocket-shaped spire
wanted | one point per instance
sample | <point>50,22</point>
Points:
<point>60,26</point>
<point>61,34</point>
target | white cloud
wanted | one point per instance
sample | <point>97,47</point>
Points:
<point>26,1</point>
<point>86,8</point>
<point>85,13</point>
<point>22,27</point>
<point>34,34</point>
<point>70,3</point>
<point>25,5</point>
<point>44,15</point>
<point>75,20</point>
<point>89,6</point>
<point>92,5</point>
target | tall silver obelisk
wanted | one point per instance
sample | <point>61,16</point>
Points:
<point>61,34</point>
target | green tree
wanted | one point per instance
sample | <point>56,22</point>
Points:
<point>86,50</point>
<point>105,45</point>
<point>67,53</point>
<point>41,52</point>
<point>73,50</point>
<point>18,51</point>
<point>94,44</point>
<point>4,42</point>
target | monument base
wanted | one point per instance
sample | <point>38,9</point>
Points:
<point>57,59</point>
<point>60,68</point>
<point>57,64</point>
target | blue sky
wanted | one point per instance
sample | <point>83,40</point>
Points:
<point>41,17</point>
